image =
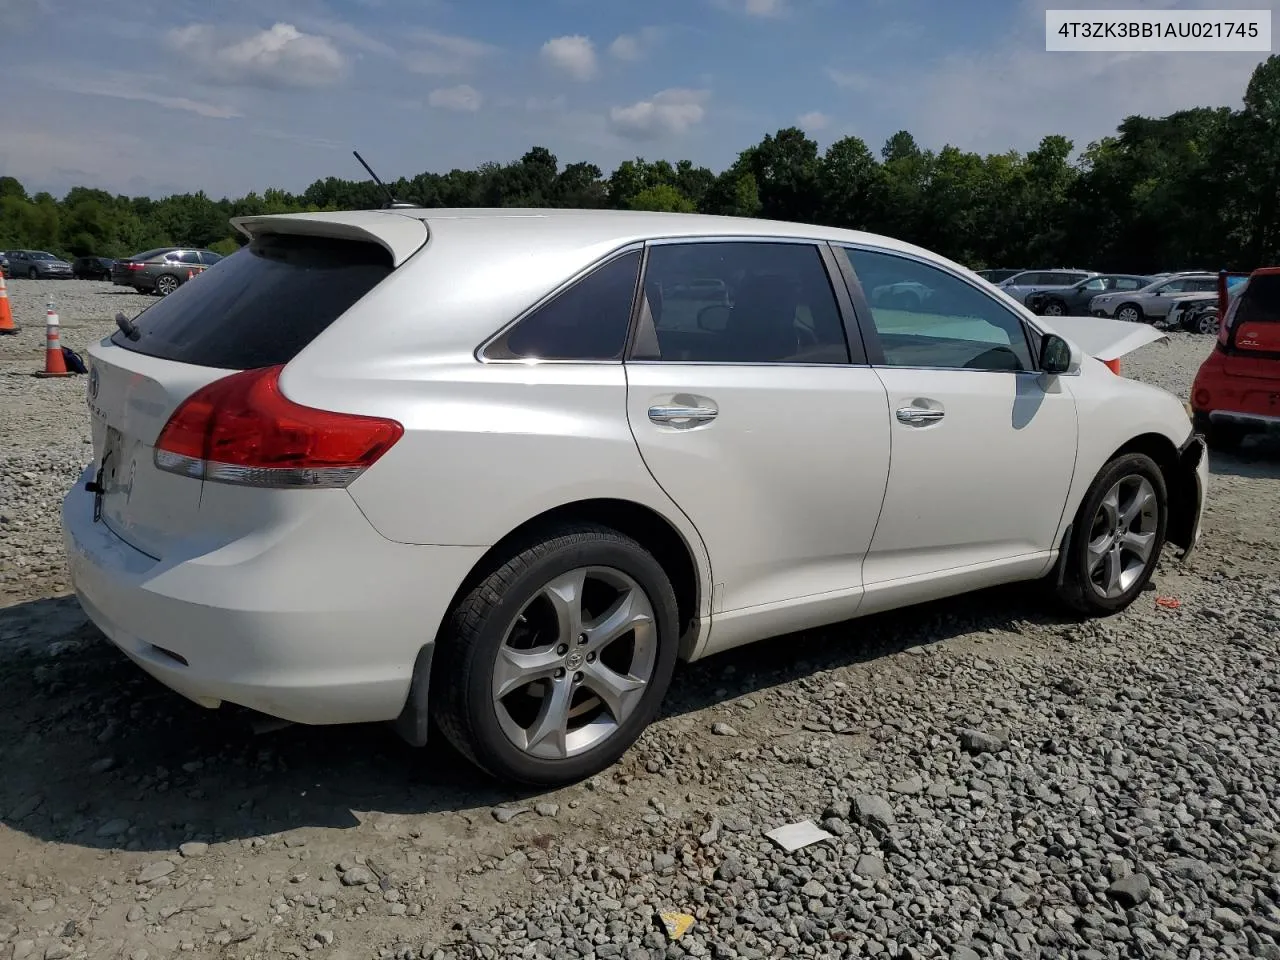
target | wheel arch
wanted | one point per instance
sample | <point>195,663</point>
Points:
<point>643,524</point>
<point>1178,467</point>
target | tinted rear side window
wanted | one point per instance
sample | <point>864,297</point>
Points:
<point>586,321</point>
<point>262,305</point>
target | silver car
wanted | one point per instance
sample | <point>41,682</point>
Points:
<point>1033,281</point>
<point>1153,301</point>
<point>37,265</point>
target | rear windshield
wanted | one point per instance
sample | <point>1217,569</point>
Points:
<point>1260,302</point>
<point>262,304</point>
<point>148,254</point>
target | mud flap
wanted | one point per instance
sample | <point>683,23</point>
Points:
<point>414,721</point>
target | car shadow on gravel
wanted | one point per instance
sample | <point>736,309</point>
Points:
<point>1258,457</point>
<point>97,754</point>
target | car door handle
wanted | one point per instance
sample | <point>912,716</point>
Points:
<point>676,416</point>
<point>919,415</point>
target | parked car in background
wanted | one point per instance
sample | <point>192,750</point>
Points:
<point>1073,301</point>
<point>161,270</point>
<point>1021,284</point>
<point>995,276</point>
<point>36,265</point>
<point>1193,312</point>
<point>352,475</point>
<point>1236,391</point>
<point>4,263</point>
<point>1153,301</point>
<point>92,268</point>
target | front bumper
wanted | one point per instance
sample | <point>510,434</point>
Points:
<point>320,622</point>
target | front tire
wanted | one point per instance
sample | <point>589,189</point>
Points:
<point>1055,308</point>
<point>550,667</point>
<point>1130,313</point>
<point>1116,537</point>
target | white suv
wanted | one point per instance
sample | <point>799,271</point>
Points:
<point>386,465</point>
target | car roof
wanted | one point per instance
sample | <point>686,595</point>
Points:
<point>509,230</point>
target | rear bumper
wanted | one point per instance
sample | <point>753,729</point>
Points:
<point>1256,422</point>
<point>319,622</point>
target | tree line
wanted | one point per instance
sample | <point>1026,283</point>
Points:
<point>1199,188</point>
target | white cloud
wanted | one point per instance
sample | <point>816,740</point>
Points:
<point>461,98</point>
<point>443,54</point>
<point>755,8</point>
<point>666,113</point>
<point>575,55</point>
<point>634,46</point>
<point>122,85</point>
<point>814,120</point>
<point>281,56</point>
<point>850,79</point>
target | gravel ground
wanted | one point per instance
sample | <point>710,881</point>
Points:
<point>998,782</point>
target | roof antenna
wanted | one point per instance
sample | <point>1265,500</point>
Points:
<point>392,203</point>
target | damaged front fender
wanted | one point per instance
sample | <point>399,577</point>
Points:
<point>1187,495</point>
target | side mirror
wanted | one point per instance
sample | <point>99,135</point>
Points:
<point>1056,355</point>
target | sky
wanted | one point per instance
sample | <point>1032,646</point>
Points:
<point>232,96</point>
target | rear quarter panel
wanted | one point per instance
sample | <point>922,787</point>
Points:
<point>487,446</point>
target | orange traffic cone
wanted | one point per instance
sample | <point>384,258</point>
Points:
<point>55,365</point>
<point>6,312</point>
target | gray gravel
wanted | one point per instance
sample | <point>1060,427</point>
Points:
<point>998,781</point>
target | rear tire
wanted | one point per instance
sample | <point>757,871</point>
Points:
<point>527,683</point>
<point>166,283</point>
<point>1116,537</point>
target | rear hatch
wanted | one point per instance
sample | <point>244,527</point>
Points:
<point>1250,335</point>
<point>259,309</point>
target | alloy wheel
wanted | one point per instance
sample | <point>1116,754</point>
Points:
<point>166,285</point>
<point>1053,309</point>
<point>1208,323</point>
<point>1128,314</point>
<point>1122,535</point>
<point>575,663</point>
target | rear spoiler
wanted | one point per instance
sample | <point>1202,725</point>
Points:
<point>400,235</point>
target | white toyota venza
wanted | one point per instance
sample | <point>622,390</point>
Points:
<point>501,469</point>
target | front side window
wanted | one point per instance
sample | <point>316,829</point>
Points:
<point>586,321</point>
<point>739,302</point>
<point>946,323</point>
<point>1128,283</point>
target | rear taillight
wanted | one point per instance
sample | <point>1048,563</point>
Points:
<point>243,430</point>
<point>133,266</point>
<point>1113,366</point>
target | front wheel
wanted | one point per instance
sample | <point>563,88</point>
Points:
<point>1055,308</point>
<point>551,667</point>
<point>1130,313</point>
<point>33,274</point>
<point>1116,537</point>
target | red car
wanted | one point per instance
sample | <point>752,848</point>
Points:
<point>1237,389</point>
